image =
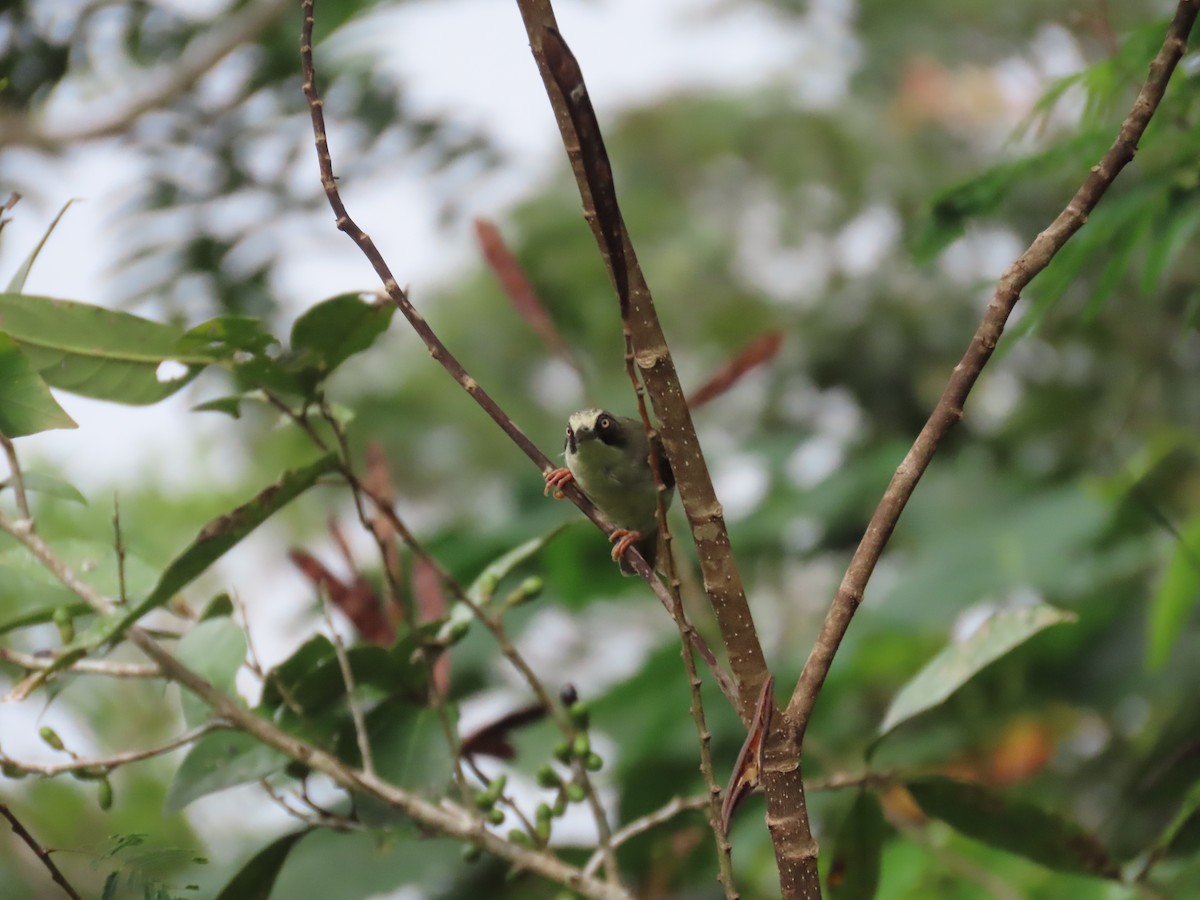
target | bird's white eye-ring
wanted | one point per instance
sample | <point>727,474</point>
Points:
<point>569,431</point>
<point>604,423</point>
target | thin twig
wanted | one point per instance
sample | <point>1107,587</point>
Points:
<point>108,763</point>
<point>949,409</point>
<point>18,479</point>
<point>35,663</point>
<point>356,713</point>
<point>42,853</point>
<point>651,820</point>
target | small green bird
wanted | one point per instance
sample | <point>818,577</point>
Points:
<point>609,458</point>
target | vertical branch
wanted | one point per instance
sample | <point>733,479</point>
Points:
<point>15,475</point>
<point>356,713</point>
<point>795,848</point>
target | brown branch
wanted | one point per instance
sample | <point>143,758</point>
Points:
<point>439,351</point>
<point>16,477</point>
<point>949,408</point>
<point>42,853</point>
<point>795,849</point>
<point>36,663</point>
<point>651,820</point>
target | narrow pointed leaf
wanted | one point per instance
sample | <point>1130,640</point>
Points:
<point>50,486</point>
<point>17,283</point>
<point>256,879</point>
<point>1176,598</point>
<point>958,663</point>
<point>26,405</point>
<point>988,816</point>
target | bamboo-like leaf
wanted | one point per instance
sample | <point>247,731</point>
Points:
<point>17,283</point>
<point>957,663</point>
<point>1177,596</point>
<point>50,486</point>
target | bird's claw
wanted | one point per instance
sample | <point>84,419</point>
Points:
<point>555,479</point>
<point>624,539</point>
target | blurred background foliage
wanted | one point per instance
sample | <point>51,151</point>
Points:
<point>869,232</point>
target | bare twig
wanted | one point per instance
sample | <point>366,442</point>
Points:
<point>36,662</point>
<point>949,408</point>
<point>17,478</point>
<point>651,820</point>
<point>356,713</point>
<point>42,853</point>
<point>106,764</point>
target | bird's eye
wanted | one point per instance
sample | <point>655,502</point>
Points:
<point>604,423</point>
<point>569,431</point>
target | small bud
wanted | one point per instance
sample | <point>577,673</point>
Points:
<point>484,801</point>
<point>543,830</point>
<point>496,788</point>
<point>105,795</point>
<point>496,816</point>
<point>529,589</point>
<point>547,777</point>
<point>48,735</point>
<point>8,770</point>
<point>580,714</point>
<point>65,623</point>
<point>582,746</point>
<point>517,836</point>
<point>90,773</point>
<point>544,811</point>
<point>593,762</point>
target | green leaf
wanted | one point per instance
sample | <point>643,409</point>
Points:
<point>857,848</point>
<point>957,663</point>
<point>256,879</point>
<point>222,534</point>
<point>231,406</point>
<point>215,650</point>
<point>1176,597</point>
<point>225,338</point>
<point>50,485</point>
<point>17,284</point>
<point>330,332</point>
<point>96,352</point>
<point>218,761</point>
<point>1016,826</point>
<point>26,405</point>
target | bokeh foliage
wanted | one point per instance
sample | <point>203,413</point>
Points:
<point>868,233</point>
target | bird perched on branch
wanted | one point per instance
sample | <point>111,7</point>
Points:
<point>613,463</point>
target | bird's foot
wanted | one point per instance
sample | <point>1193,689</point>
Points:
<point>624,539</point>
<point>555,479</point>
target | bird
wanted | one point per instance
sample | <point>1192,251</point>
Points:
<point>609,458</point>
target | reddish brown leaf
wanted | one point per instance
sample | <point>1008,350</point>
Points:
<point>754,354</point>
<point>516,285</point>
<point>492,739</point>
<point>747,771</point>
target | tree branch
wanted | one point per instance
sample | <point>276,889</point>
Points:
<point>39,851</point>
<point>107,763</point>
<point>949,408</point>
